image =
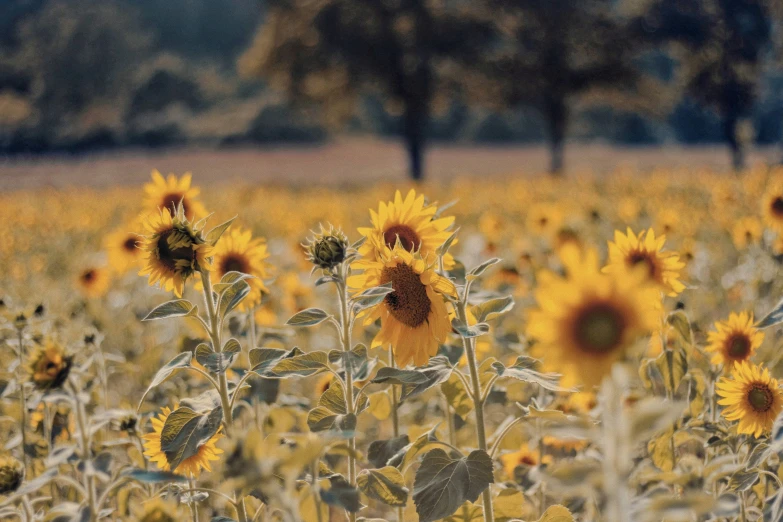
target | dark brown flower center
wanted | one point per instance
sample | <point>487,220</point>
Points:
<point>234,263</point>
<point>760,398</point>
<point>777,206</point>
<point>130,244</point>
<point>738,346</point>
<point>636,257</point>
<point>171,201</point>
<point>409,302</point>
<point>88,276</point>
<point>528,460</point>
<point>409,239</point>
<point>598,328</point>
<point>170,256</point>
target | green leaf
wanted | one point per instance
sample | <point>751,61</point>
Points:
<point>232,296</point>
<point>341,494</point>
<point>436,371</point>
<point>681,324</point>
<point>420,444</point>
<point>218,362</point>
<point>476,272</point>
<point>492,308</point>
<point>467,512</point>
<point>177,363</point>
<point>673,365</point>
<point>356,359</point>
<point>469,332</point>
<point>443,484</point>
<point>303,365</point>
<point>261,359</point>
<point>372,296</point>
<point>774,317</point>
<point>743,480</point>
<point>229,279</point>
<point>380,452</point>
<point>509,504</point>
<point>152,477</point>
<point>214,235</point>
<point>386,484</point>
<point>557,513</point>
<point>322,418</point>
<point>524,370</point>
<point>175,308</point>
<point>185,431</point>
<point>398,376</point>
<point>457,396</point>
<point>444,248</point>
<point>308,317</point>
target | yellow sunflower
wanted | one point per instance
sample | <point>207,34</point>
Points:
<point>734,340</point>
<point>49,365</point>
<point>751,397</point>
<point>11,474</point>
<point>93,281</point>
<point>746,231</point>
<point>122,247</point>
<point>414,317</point>
<point>587,320</point>
<point>158,510</point>
<point>190,466</point>
<point>166,194</point>
<point>173,250</point>
<point>413,222</point>
<point>239,251</point>
<point>544,219</point>
<point>523,457</point>
<point>630,250</point>
<point>772,206</point>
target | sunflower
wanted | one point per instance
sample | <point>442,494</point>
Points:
<point>158,510</point>
<point>734,340</point>
<point>174,251</point>
<point>239,251</point>
<point>190,466</point>
<point>413,223</point>
<point>48,365</point>
<point>93,281</point>
<point>523,457</point>
<point>123,250</point>
<point>746,231</point>
<point>629,250</point>
<point>587,320</point>
<point>414,318</point>
<point>11,474</point>
<point>544,219</point>
<point>752,397</point>
<point>772,206</point>
<point>166,194</point>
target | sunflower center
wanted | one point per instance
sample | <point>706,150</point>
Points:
<point>739,347</point>
<point>777,206</point>
<point>409,239</point>
<point>527,460</point>
<point>130,244</point>
<point>409,302</point>
<point>635,258</point>
<point>760,398</point>
<point>170,257</point>
<point>598,329</point>
<point>88,276</point>
<point>233,263</point>
<point>171,200</point>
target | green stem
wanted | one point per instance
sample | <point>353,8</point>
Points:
<point>345,330</point>
<point>22,398</point>
<point>241,510</point>
<point>396,423</point>
<point>193,507</point>
<point>214,335</point>
<point>89,482</point>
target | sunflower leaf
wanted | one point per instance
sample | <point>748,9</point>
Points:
<point>218,362</point>
<point>476,272</point>
<point>261,359</point>
<point>557,513</point>
<point>443,484</point>
<point>371,297</point>
<point>214,235</point>
<point>444,248</point>
<point>177,363</point>
<point>169,309</point>
<point>303,365</point>
<point>468,332</point>
<point>380,452</point>
<point>152,477</point>
<point>228,279</point>
<point>322,418</point>
<point>186,431</point>
<point>492,308</point>
<point>774,317</point>
<point>308,317</point>
<point>398,376</point>
<point>232,296</point>
<point>386,484</point>
<point>523,369</point>
<point>342,494</point>
<point>436,371</point>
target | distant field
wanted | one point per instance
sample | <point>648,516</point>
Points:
<point>344,161</point>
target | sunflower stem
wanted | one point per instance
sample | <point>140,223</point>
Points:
<point>214,335</point>
<point>89,482</point>
<point>396,422</point>
<point>193,507</point>
<point>22,398</point>
<point>478,405</point>
<point>345,338</point>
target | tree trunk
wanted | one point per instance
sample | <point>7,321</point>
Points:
<point>557,121</point>
<point>414,127</point>
<point>736,145</point>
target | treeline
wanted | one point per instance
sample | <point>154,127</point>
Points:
<point>85,74</point>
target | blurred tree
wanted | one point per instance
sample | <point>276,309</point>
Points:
<point>333,52</point>
<point>548,53</point>
<point>721,46</point>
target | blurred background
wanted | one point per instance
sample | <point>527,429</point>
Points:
<point>371,83</point>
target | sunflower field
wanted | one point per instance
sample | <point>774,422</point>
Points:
<point>586,348</point>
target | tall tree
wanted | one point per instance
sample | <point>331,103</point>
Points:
<point>335,52</point>
<point>721,46</point>
<point>548,53</point>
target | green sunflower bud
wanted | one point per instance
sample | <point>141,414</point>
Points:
<point>327,249</point>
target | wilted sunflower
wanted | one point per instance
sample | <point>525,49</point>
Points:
<point>48,365</point>
<point>174,251</point>
<point>122,247</point>
<point>190,466</point>
<point>414,318</point>
<point>411,221</point>
<point>11,474</point>
<point>746,231</point>
<point>93,281</point>
<point>239,251</point>
<point>772,206</point>
<point>751,397</point>
<point>166,194</point>
<point>734,340</point>
<point>587,320</point>
<point>629,250</point>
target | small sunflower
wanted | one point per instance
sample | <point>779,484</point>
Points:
<point>772,206</point>
<point>190,466</point>
<point>751,397</point>
<point>239,251</point>
<point>411,221</point>
<point>523,457</point>
<point>414,318</point>
<point>544,219</point>
<point>49,365</point>
<point>11,474</point>
<point>123,250</point>
<point>629,250</point>
<point>587,320</point>
<point>174,251</point>
<point>734,340</point>
<point>746,231</point>
<point>93,281</point>
<point>166,194</point>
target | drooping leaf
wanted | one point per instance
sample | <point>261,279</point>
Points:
<point>673,365</point>
<point>436,371</point>
<point>169,309</point>
<point>308,317</point>
<point>381,451</point>
<point>385,484</point>
<point>321,418</point>
<point>443,484</point>
<point>185,431</point>
<point>340,493</point>
<point>177,363</point>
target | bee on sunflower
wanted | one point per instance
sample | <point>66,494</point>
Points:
<point>411,221</point>
<point>190,466</point>
<point>168,193</point>
<point>414,317</point>
<point>630,249</point>
<point>48,365</point>
<point>752,397</point>
<point>174,249</point>
<point>122,248</point>
<point>239,251</point>
<point>587,320</point>
<point>93,281</point>
<point>734,340</point>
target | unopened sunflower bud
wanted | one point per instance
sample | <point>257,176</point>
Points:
<point>11,475</point>
<point>327,249</point>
